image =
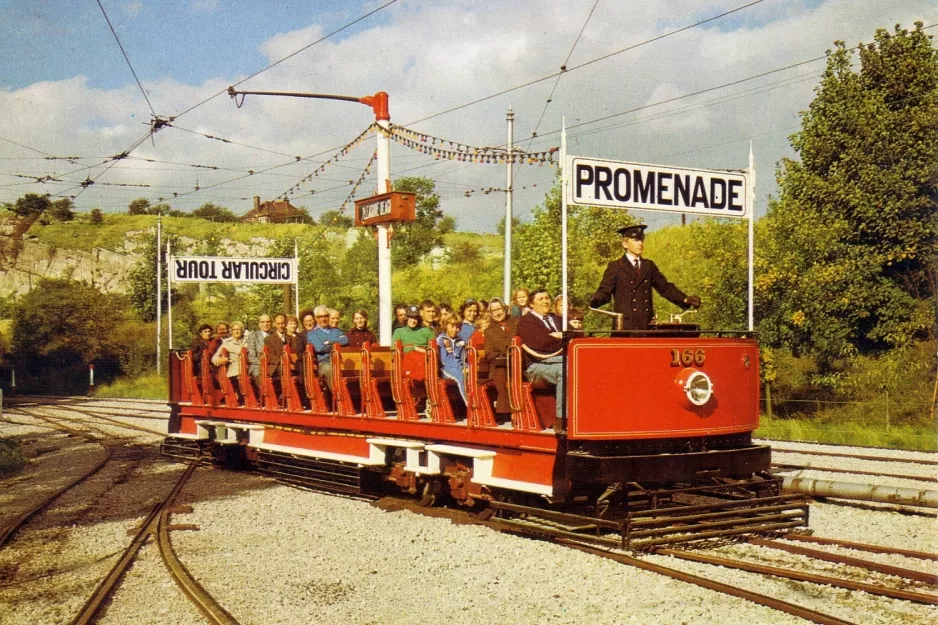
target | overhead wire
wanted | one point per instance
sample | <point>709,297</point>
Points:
<point>126,58</point>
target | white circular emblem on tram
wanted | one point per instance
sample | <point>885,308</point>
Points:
<point>698,388</point>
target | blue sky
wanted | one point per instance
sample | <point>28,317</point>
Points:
<point>65,89</point>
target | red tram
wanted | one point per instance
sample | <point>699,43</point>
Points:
<point>653,422</point>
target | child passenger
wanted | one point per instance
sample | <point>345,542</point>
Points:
<point>453,352</point>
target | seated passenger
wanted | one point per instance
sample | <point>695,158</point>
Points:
<point>559,306</point>
<point>334,317</point>
<point>274,343</point>
<point>296,342</point>
<point>400,316</point>
<point>540,332</point>
<point>413,336</point>
<point>482,323</point>
<point>233,345</point>
<point>322,338</point>
<point>359,334</point>
<point>452,349</point>
<point>469,312</point>
<point>200,344</point>
<point>256,348</point>
<point>497,338</point>
<point>575,318</point>
<point>519,303</point>
<point>428,315</point>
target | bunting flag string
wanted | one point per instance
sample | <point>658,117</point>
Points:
<point>358,183</point>
<point>333,159</point>
<point>444,149</point>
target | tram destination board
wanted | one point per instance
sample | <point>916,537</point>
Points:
<point>619,184</point>
<point>385,208</point>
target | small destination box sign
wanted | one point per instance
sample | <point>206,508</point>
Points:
<point>385,208</point>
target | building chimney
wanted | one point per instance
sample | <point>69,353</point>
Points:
<point>257,202</point>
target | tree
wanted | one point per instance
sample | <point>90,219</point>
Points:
<point>500,228</point>
<point>415,239</point>
<point>213,212</point>
<point>63,210</point>
<point>30,205</point>
<point>140,206</point>
<point>850,259</point>
<point>97,216</point>
<point>141,288</point>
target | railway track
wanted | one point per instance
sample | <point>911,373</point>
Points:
<point>156,524</point>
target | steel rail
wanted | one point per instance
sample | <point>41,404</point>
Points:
<point>774,571</point>
<point>206,604</point>
<point>855,456</point>
<point>113,421</point>
<point>734,591</point>
<point>810,467</point>
<point>7,530</point>
<point>908,553</point>
<point>818,554</point>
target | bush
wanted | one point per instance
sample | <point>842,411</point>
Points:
<point>11,456</point>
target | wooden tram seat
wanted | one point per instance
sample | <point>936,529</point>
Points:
<point>224,382</point>
<point>440,408</point>
<point>317,399</point>
<point>209,396</point>
<point>375,371</point>
<point>245,383</point>
<point>268,391</point>
<point>288,381</point>
<point>524,414</point>
<point>479,409</point>
<point>193,388</point>
<point>346,375</point>
<point>402,386</point>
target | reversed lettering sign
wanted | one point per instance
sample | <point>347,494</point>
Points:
<point>396,206</point>
<point>654,187</point>
<point>219,269</point>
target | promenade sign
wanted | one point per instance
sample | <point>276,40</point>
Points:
<point>225,269</point>
<point>619,184</point>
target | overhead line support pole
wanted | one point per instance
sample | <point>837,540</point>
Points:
<point>509,217</point>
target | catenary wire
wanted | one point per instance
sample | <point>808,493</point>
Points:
<point>126,58</point>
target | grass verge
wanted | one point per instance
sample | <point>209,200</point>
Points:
<point>149,386</point>
<point>11,456</point>
<point>909,437</point>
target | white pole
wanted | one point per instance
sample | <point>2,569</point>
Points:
<point>159,293</point>
<point>509,217</point>
<point>563,215</point>
<point>384,241</point>
<point>296,280</point>
<point>752,216</point>
<point>169,295</point>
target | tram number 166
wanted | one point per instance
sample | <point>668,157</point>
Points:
<point>687,357</point>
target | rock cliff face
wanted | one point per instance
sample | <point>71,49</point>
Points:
<point>101,268</point>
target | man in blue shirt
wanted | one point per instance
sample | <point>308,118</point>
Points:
<point>322,338</point>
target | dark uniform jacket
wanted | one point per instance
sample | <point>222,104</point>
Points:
<point>497,341</point>
<point>274,345</point>
<point>632,292</point>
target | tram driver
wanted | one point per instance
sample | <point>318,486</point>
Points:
<point>630,279</point>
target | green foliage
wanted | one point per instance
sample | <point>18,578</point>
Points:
<point>97,217</point>
<point>852,243</point>
<point>63,209</point>
<point>140,206</point>
<point>141,287</point>
<point>11,456</point>
<point>463,252</point>
<point>146,386</point>
<point>30,205</point>
<point>212,212</point>
<point>412,241</point>
<point>334,218</point>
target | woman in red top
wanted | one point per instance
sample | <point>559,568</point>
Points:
<point>359,334</point>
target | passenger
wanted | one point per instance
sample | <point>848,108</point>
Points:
<point>322,338</point>
<point>400,317</point>
<point>256,348</point>
<point>201,344</point>
<point>221,332</point>
<point>334,318</point>
<point>309,322</point>
<point>428,311</point>
<point>519,303</point>
<point>540,332</point>
<point>497,339</point>
<point>233,345</point>
<point>413,336</point>
<point>296,342</point>
<point>445,309</point>
<point>575,318</point>
<point>274,343</point>
<point>630,279</point>
<point>359,334</point>
<point>452,350</point>
<point>558,306</point>
<point>477,340</point>
<point>469,312</point>
<point>483,306</point>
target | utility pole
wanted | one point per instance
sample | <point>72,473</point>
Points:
<point>379,104</point>
<point>159,293</point>
<point>509,218</point>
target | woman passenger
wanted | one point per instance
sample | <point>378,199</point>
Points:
<point>519,303</point>
<point>359,334</point>
<point>469,312</point>
<point>200,345</point>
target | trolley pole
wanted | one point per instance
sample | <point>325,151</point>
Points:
<point>509,217</point>
<point>379,104</point>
